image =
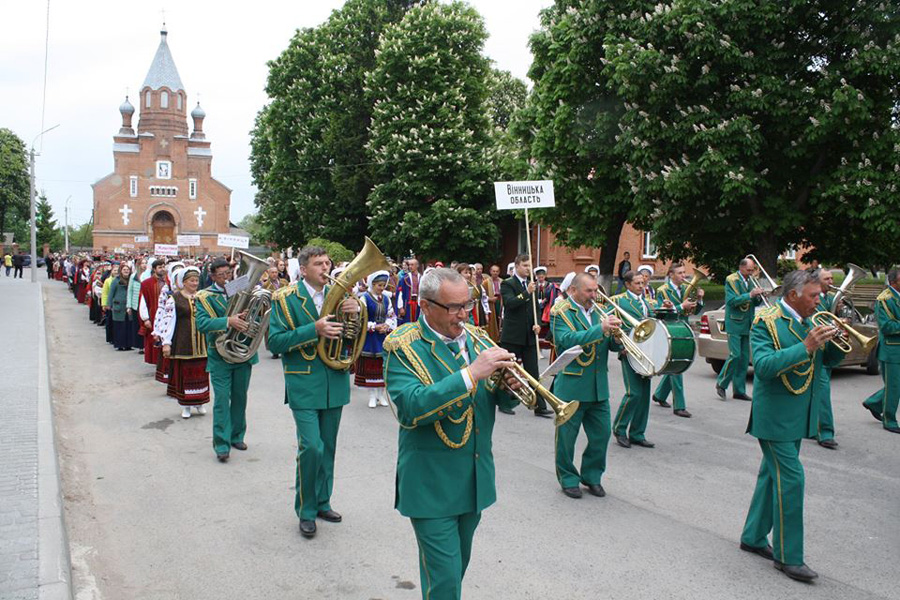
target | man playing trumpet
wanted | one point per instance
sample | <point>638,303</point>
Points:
<point>741,298</point>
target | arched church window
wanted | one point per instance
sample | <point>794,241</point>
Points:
<point>179,101</point>
<point>148,102</point>
<point>164,99</point>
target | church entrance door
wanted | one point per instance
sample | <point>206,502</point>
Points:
<point>163,228</point>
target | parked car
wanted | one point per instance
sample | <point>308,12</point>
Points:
<point>27,261</point>
<point>712,343</point>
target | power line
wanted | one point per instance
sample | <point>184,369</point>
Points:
<point>46,61</point>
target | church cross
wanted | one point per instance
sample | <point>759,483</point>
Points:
<point>164,142</point>
<point>200,214</point>
<point>125,212</point>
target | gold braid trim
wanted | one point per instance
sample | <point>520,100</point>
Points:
<point>768,316</point>
<point>402,336</point>
<point>883,297</point>
<point>469,419</point>
<point>560,307</point>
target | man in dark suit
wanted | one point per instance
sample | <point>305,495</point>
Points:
<point>519,328</point>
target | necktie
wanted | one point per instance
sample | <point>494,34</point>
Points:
<point>453,346</point>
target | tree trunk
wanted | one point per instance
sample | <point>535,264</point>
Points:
<point>612,232</point>
<point>767,252</point>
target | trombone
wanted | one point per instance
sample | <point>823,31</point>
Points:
<point>842,339</point>
<point>642,331</point>
<point>766,292</point>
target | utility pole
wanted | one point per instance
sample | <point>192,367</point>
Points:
<point>67,223</point>
<point>34,210</point>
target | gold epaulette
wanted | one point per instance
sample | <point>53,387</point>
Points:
<point>560,307</point>
<point>732,277</point>
<point>768,314</point>
<point>884,296</point>
<point>662,289</point>
<point>402,336</point>
<point>202,294</point>
<point>617,297</point>
<point>280,293</point>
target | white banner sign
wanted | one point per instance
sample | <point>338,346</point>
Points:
<point>233,241</point>
<point>141,238</point>
<point>118,250</point>
<point>165,249</point>
<point>524,194</point>
<point>128,245</point>
<point>188,240</point>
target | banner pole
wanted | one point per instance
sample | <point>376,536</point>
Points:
<point>537,339</point>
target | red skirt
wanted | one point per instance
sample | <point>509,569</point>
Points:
<point>369,372</point>
<point>188,381</point>
<point>151,351</point>
<point>162,367</point>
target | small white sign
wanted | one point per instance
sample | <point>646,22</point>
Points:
<point>524,194</point>
<point>189,240</point>
<point>237,285</point>
<point>165,249</point>
<point>128,245</point>
<point>233,241</point>
<point>141,239</point>
<point>118,250</point>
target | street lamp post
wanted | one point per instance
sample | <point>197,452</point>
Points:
<point>34,210</point>
<point>67,223</point>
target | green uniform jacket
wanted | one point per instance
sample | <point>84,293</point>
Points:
<point>887,313</point>
<point>445,465</point>
<point>739,305</point>
<point>308,382</point>
<point>784,377</point>
<point>633,307</point>
<point>667,292</point>
<point>826,302</point>
<point>212,308</point>
<point>585,379</point>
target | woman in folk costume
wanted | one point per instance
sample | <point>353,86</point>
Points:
<point>478,316</point>
<point>369,372</point>
<point>83,281</point>
<point>162,319</point>
<point>491,286</point>
<point>118,308</point>
<point>95,311</point>
<point>184,346</point>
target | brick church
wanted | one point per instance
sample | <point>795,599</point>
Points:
<point>162,184</point>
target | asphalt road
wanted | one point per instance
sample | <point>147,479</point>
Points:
<point>153,515</point>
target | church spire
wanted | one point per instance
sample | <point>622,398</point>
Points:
<point>163,72</point>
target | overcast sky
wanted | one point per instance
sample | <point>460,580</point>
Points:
<point>99,49</point>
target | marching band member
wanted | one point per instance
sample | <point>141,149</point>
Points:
<point>649,292</point>
<point>672,294</point>
<point>439,380</point>
<point>741,297</point>
<point>315,392</point>
<point>634,410</point>
<point>593,271</point>
<point>787,355</point>
<point>408,293</point>
<point>825,429</point>
<point>883,403</point>
<point>381,321</point>
<point>576,322</point>
<point>230,381</point>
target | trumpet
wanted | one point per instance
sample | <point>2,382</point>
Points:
<point>531,387</point>
<point>842,339</point>
<point>774,288</point>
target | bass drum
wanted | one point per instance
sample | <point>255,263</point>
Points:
<point>671,349</point>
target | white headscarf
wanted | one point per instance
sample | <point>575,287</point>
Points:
<point>567,281</point>
<point>182,273</point>
<point>646,268</point>
<point>510,268</point>
<point>588,268</point>
<point>293,269</point>
<point>371,278</point>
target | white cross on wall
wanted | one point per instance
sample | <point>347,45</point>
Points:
<point>200,214</point>
<point>125,212</point>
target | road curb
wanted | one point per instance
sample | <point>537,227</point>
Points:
<point>54,568</point>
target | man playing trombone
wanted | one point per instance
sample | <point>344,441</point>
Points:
<point>579,321</point>
<point>742,296</point>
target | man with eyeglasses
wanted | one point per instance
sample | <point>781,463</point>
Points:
<point>230,381</point>
<point>438,375</point>
<point>518,334</point>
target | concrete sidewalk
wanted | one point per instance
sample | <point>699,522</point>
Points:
<point>34,554</point>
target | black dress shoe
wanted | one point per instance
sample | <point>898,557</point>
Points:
<point>595,489</point>
<point>543,412</point>
<point>239,445</point>
<point>893,429</point>
<point>623,441</point>
<point>797,572</point>
<point>642,443</point>
<point>720,392</point>
<point>680,412</point>
<point>662,403</point>
<point>742,397</point>
<point>307,528</point>
<point>874,412</point>
<point>223,457</point>
<point>330,516</point>
<point>572,492</point>
<point>764,551</point>
<point>830,444</point>
<point>507,411</point>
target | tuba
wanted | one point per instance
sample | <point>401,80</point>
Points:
<point>239,346</point>
<point>690,290</point>
<point>340,354</point>
<point>854,274</point>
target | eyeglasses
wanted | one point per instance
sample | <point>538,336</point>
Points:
<point>454,308</point>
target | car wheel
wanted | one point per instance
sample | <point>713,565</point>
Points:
<point>872,366</point>
<point>716,364</point>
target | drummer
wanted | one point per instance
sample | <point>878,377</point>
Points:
<point>634,410</point>
<point>670,295</point>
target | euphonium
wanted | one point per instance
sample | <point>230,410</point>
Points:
<point>239,346</point>
<point>531,387</point>
<point>339,354</point>
<point>842,340</point>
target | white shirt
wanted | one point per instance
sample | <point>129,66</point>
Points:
<point>463,349</point>
<point>790,311</point>
<point>586,312</point>
<point>675,288</point>
<point>634,296</point>
<point>317,297</point>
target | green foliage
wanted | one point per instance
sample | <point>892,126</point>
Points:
<point>431,135</point>
<point>785,266</point>
<point>253,225</point>
<point>47,231</point>
<point>308,146</point>
<point>337,252</point>
<point>82,236</point>
<point>14,181</point>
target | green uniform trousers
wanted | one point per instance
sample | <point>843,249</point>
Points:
<point>594,416</point>
<point>735,369</point>
<point>826,415</point>
<point>634,411</point>
<point>445,545</point>
<point>777,503</point>
<point>317,432</point>
<point>674,384</point>
<point>230,386</point>
<point>885,400</point>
